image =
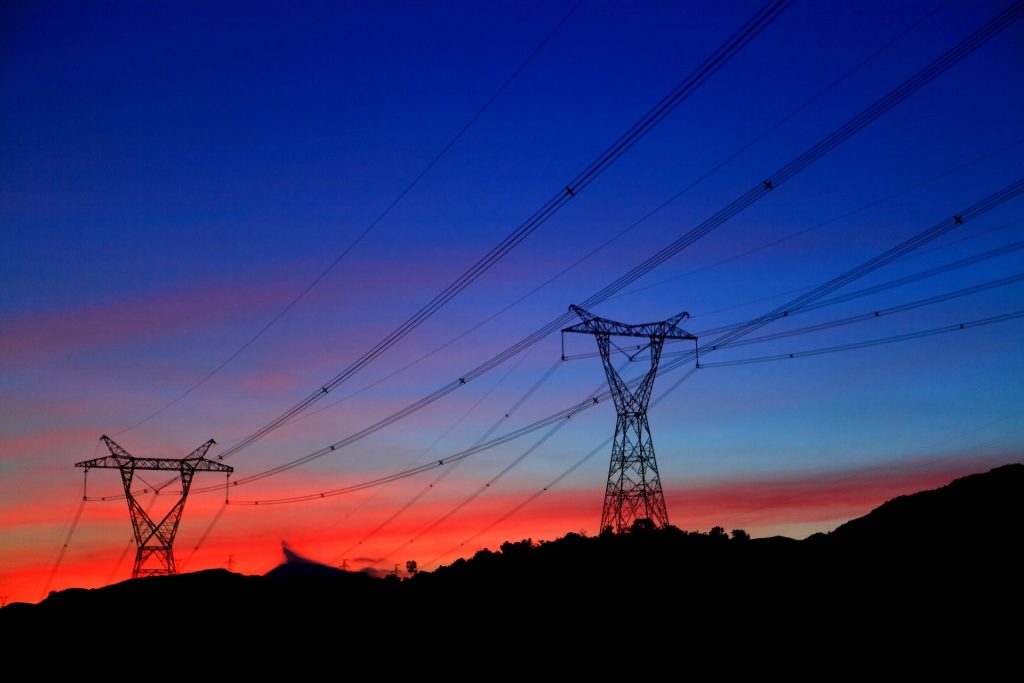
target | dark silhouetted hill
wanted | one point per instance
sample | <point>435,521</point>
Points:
<point>937,562</point>
<point>978,510</point>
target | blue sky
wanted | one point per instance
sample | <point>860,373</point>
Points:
<point>173,174</point>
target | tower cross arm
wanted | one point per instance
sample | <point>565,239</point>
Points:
<point>120,458</point>
<point>170,464</point>
<point>592,324</point>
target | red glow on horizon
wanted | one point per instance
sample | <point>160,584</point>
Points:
<point>813,502</point>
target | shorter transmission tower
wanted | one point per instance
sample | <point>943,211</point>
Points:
<point>154,541</point>
<point>633,490</point>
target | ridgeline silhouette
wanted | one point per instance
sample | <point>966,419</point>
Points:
<point>928,561</point>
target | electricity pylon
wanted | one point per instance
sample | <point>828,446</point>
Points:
<point>154,541</point>
<point>634,488</point>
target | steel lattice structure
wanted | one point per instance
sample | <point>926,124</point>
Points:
<point>154,541</point>
<point>634,488</point>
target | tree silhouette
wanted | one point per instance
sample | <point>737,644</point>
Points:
<point>642,525</point>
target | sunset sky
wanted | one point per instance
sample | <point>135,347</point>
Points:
<point>172,175</point>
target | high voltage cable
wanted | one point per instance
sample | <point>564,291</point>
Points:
<point>822,224</point>
<point>366,231</point>
<point>601,448</point>
<point>704,71</point>
<point>970,260</point>
<point>805,330</point>
<point>924,76</point>
<point>466,414</point>
<point>479,490</point>
<point>870,342</point>
<point>448,471</point>
<point>920,303</point>
<point>871,315</point>
<point>794,290</point>
<point>685,190</point>
<point>976,210</point>
<point>579,407</point>
<point>716,264</point>
<point>64,547</point>
<point>204,536</point>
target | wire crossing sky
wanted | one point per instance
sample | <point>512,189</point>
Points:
<point>173,175</point>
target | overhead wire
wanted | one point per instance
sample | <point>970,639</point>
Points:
<point>495,478</point>
<point>915,277</point>
<point>71,527</point>
<point>711,65</point>
<point>600,448</point>
<point>76,517</point>
<point>675,197</point>
<point>373,224</point>
<point>938,298</point>
<point>443,435</point>
<point>870,342</point>
<point>800,233</point>
<point>455,384</point>
<point>918,253</point>
<point>754,340</point>
<point>972,212</point>
<point>446,472</point>
<point>952,56</point>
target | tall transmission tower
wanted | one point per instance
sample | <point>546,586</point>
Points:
<point>634,488</point>
<point>154,541</point>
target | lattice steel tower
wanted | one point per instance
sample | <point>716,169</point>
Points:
<point>634,488</point>
<point>154,542</point>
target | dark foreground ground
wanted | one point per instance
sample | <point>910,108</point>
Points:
<point>937,573</point>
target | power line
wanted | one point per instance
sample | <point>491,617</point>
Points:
<point>888,285</point>
<point>204,535</point>
<point>493,480</point>
<point>944,268</point>
<point>956,327</point>
<point>479,490</point>
<point>681,92</point>
<point>921,78</point>
<point>802,161</point>
<point>446,472</point>
<point>64,547</point>
<point>466,414</point>
<point>872,204</point>
<point>990,284</point>
<point>943,227</point>
<point>825,223</point>
<point>675,197</point>
<point>775,357</point>
<point>754,340</point>
<point>600,448</point>
<point>373,224</point>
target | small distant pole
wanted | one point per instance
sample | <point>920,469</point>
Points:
<point>231,563</point>
<point>395,572</point>
<point>344,565</point>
